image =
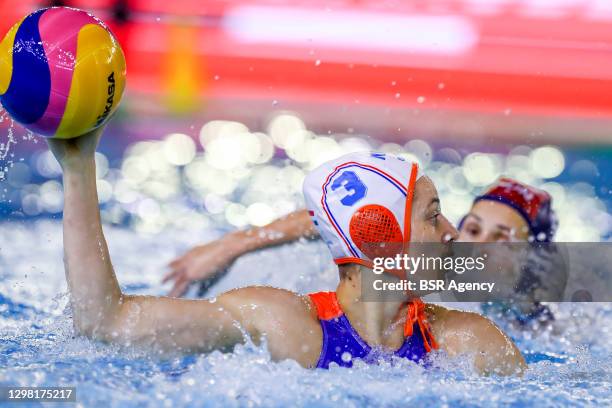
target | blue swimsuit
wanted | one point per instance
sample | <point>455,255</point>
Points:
<point>342,344</point>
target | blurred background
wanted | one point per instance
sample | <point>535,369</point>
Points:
<point>229,103</point>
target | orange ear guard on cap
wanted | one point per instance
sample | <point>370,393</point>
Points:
<point>376,232</point>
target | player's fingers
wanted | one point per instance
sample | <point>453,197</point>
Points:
<point>175,289</point>
<point>177,262</point>
<point>179,288</point>
<point>173,274</point>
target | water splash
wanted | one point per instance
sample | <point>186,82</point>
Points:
<point>570,366</point>
<point>7,144</point>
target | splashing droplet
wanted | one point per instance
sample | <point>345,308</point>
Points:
<point>346,357</point>
<point>5,147</point>
<point>317,62</point>
<point>421,99</point>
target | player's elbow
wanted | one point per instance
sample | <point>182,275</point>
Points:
<point>82,326</point>
<point>99,323</point>
<point>93,328</point>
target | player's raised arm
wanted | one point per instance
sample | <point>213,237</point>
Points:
<point>101,311</point>
<point>95,293</point>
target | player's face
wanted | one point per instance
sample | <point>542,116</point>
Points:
<point>490,221</point>
<point>427,222</point>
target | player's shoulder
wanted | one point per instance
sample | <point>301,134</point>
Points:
<point>451,325</point>
<point>452,319</point>
<point>281,302</point>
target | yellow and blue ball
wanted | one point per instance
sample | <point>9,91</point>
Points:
<point>62,72</point>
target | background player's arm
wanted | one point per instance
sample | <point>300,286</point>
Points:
<point>204,261</point>
<point>101,311</point>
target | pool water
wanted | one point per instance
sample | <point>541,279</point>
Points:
<point>569,366</point>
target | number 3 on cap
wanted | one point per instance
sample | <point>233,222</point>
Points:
<point>353,185</point>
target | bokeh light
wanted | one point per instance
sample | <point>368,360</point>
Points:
<point>547,161</point>
<point>481,169</point>
<point>179,149</point>
<point>243,178</point>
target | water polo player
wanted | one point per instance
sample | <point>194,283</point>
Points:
<point>511,211</point>
<point>315,330</point>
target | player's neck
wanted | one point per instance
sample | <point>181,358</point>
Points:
<point>378,321</point>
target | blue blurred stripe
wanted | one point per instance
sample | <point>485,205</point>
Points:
<point>28,94</point>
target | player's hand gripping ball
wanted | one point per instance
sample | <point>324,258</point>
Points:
<point>62,73</point>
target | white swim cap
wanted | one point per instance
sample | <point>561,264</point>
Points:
<point>361,204</point>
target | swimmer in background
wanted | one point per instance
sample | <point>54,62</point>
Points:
<point>511,211</point>
<point>508,211</point>
<point>315,330</point>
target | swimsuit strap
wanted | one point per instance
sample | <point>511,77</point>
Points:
<point>326,304</point>
<point>416,314</point>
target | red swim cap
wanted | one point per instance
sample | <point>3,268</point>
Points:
<point>533,204</point>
